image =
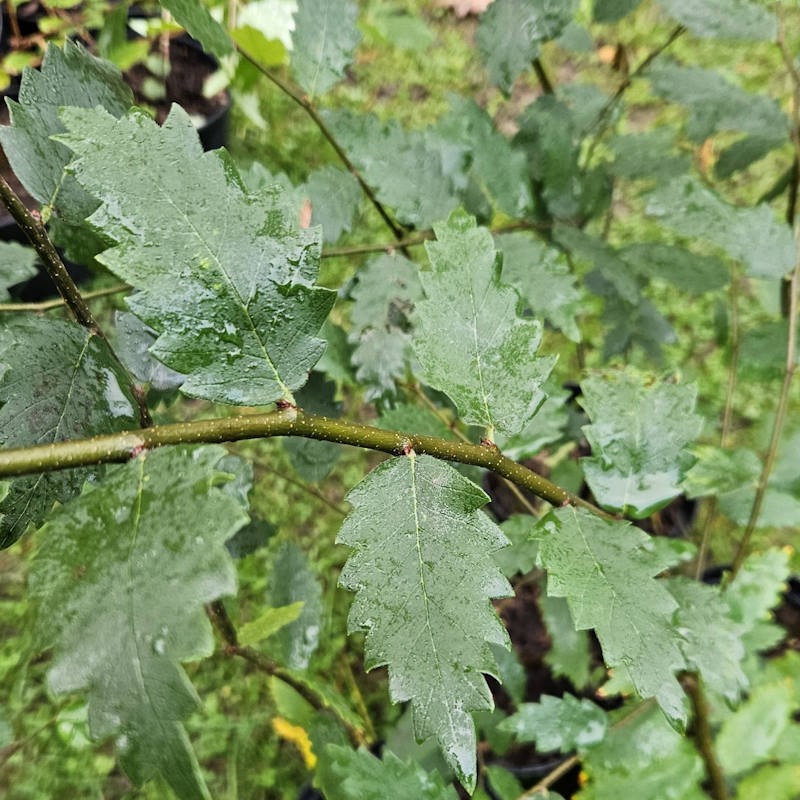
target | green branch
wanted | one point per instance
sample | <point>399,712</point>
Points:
<point>118,447</point>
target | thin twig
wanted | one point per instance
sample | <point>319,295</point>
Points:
<point>703,737</point>
<point>299,97</point>
<point>220,619</point>
<point>542,76</point>
<point>54,266</point>
<point>58,302</point>
<point>790,365</point>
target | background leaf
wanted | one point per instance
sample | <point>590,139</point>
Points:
<point>335,198</point>
<point>468,337</point>
<point>242,329</point>
<point>197,20</point>
<point>324,38</point>
<point>17,263</point>
<point>638,435</point>
<point>606,572</point>
<point>60,382</point>
<point>120,579</point>
<point>569,654</point>
<point>723,19</point>
<point>421,565</point>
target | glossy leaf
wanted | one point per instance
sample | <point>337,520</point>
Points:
<point>358,775</point>
<point>405,168</point>
<point>750,235</point>
<point>68,77</point>
<point>543,279</point>
<point>294,581</point>
<point>59,382</point>
<point>242,327</point>
<point>121,578</point>
<point>511,33</point>
<point>468,336</point>
<point>422,565</point>
<point>17,264</point>
<point>197,20</point>
<point>558,723</point>
<point>638,437</point>
<point>133,342</point>
<point>324,38</point>
<point>723,19</point>
<point>606,571</point>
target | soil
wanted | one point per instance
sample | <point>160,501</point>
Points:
<point>189,68</point>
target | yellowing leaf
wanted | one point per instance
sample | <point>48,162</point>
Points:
<point>271,621</point>
<point>298,737</point>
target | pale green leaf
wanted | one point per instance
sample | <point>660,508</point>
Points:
<point>712,642</point>
<point>59,382</point>
<point>197,20</point>
<point>751,235</point>
<point>520,555</point>
<point>268,623</point>
<point>547,427</point>
<point>748,736</point>
<point>335,197</point>
<point>346,774</point>
<point>405,168</point>
<point>17,264</point>
<point>313,459</point>
<point>650,155</point>
<point>511,33</point>
<point>543,279</point>
<point>421,565</point>
<point>469,338</point>
<point>266,51</point>
<point>68,77</point>
<point>638,434</point>
<point>606,571</point>
<point>775,781</point>
<point>723,19</point>
<point>242,325</point>
<point>323,42</point>
<point>676,265</point>
<point>569,654</point>
<point>559,723</point>
<point>292,580</point>
<point>719,471</point>
<point>120,579</point>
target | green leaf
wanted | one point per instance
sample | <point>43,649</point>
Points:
<point>606,572</point>
<point>505,786</point>
<point>776,781</point>
<point>346,774</point>
<point>313,459</point>
<point>719,471</point>
<point>324,38</point>
<point>547,427</point>
<point>650,155</point>
<point>17,264</point>
<point>511,33</point>
<point>520,555</point>
<point>68,77</point>
<point>60,382</point>
<point>569,654</point>
<point>747,737</point>
<point>469,338</point>
<point>693,273</point>
<point>723,19</point>
<point>711,638</point>
<point>120,578</point>
<point>268,623</point>
<point>292,580</point>
<point>613,10</point>
<point>269,52</point>
<point>638,434</point>
<point>405,168</point>
<point>133,342</point>
<point>413,419</point>
<point>335,198</point>
<point>496,167</point>
<point>400,28</point>
<point>750,235</point>
<point>421,565</point>
<point>543,279</point>
<point>559,723</point>
<point>387,289</point>
<point>242,326</point>
<point>197,20</point>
